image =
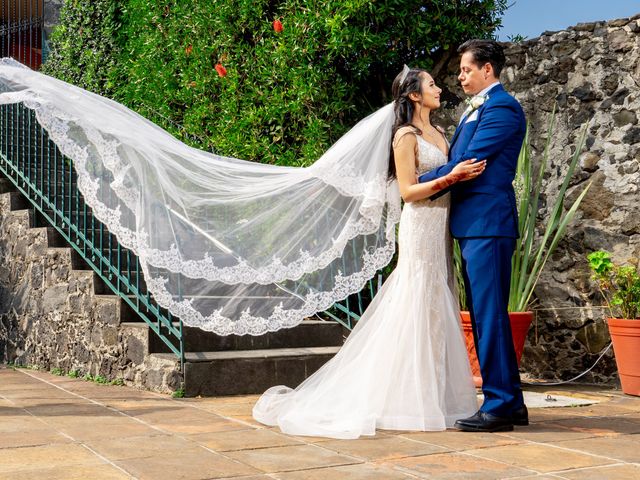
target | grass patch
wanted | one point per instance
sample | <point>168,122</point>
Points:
<point>178,393</point>
<point>26,367</point>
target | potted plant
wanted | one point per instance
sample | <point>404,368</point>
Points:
<point>532,249</point>
<point>620,287</point>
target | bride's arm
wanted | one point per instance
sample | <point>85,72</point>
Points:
<point>404,152</point>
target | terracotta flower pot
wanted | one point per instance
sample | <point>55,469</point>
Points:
<point>520,323</point>
<point>625,335</point>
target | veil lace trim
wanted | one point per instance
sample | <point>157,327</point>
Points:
<point>377,200</point>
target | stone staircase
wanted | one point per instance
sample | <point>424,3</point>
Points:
<point>81,325</point>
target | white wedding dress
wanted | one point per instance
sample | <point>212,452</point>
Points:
<point>404,366</point>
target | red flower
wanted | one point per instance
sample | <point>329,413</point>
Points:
<point>277,26</point>
<point>188,50</point>
<point>221,70</point>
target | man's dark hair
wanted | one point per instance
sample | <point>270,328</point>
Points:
<point>485,51</point>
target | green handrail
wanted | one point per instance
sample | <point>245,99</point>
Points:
<point>46,178</point>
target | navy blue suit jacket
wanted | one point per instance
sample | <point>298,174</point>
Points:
<point>486,206</point>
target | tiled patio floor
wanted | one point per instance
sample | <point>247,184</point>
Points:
<point>55,427</point>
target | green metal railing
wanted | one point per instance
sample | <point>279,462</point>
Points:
<point>33,163</point>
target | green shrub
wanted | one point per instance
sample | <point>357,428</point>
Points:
<point>287,95</point>
<point>180,393</point>
<point>619,284</point>
<point>84,46</point>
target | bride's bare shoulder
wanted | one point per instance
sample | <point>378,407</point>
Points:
<point>402,132</point>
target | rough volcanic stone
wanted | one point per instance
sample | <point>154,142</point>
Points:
<point>49,316</point>
<point>625,117</point>
<point>620,41</point>
<point>632,136</point>
<point>616,99</point>
<point>135,350</point>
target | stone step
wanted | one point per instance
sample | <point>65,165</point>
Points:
<point>249,371</point>
<point>101,288</point>
<point>125,313</point>
<point>79,263</point>
<point>309,333</point>
<point>7,186</point>
<point>189,285</point>
<point>18,201</point>
<point>206,304</point>
<point>36,168</point>
<point>54,238</point>
<point>134,337</point>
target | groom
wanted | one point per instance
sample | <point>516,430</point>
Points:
<point>484,219</point>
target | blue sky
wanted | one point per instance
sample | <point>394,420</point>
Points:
<point>532,17</point>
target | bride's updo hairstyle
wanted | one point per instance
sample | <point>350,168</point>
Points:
<point>406,82</point>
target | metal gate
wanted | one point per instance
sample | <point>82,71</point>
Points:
<point>21,31</point>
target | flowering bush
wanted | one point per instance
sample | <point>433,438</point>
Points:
<point>222,72</point>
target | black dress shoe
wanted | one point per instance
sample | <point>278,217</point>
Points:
<point>484,422</point>
<point>520,416</point>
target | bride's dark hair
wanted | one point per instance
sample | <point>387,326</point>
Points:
<point>403,107</point>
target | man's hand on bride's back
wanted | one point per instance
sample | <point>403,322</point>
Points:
<point>469,169</point>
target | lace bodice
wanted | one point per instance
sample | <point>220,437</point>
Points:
<point>424,233</point>
<point>429,156</point>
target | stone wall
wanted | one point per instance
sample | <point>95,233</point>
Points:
<point>51,15</point>
<point>592,73</point>
<point>51,318</point>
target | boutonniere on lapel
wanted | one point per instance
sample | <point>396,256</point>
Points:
<point>475,102</point>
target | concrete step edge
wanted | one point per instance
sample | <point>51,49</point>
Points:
<point>273,353</point>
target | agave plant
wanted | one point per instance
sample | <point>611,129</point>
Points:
<point>533,249</point>
<point>457,263</point>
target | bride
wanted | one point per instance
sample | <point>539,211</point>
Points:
<point>238,247</point>
<point>404,366</point>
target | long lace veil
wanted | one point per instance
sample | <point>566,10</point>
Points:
<point>227,245</point>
